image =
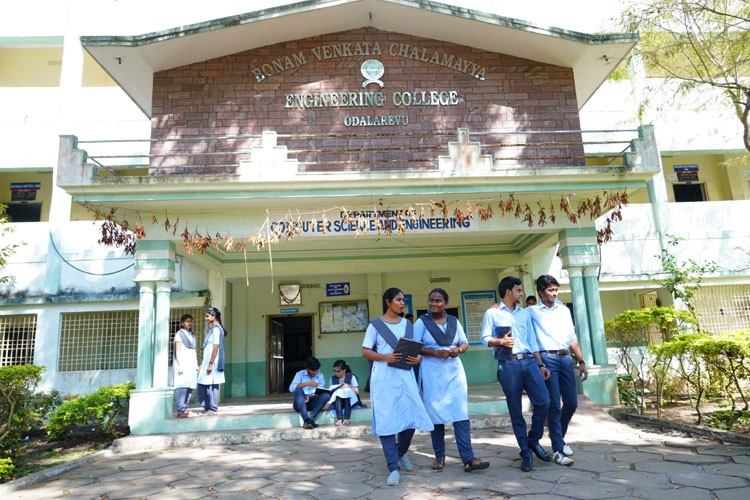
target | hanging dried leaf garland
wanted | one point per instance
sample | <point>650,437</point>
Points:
<point>120,234</point>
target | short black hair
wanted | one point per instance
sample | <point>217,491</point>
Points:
<point>544,281</point>
<point>312,363</point>
<point>530,297</point>
<point>441,292</point>
<point>506,284</point>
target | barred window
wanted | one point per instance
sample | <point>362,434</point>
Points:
<point>108,340</point>
<point>17,337</point>
<point>722,308</point>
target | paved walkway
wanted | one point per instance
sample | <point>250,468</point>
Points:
<point>612,460</point>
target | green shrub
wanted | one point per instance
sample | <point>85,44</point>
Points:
<point>17,410</point>
<point>6,468</point>
<point>100,409</point>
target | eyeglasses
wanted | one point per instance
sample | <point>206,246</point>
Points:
<point>338,371</point>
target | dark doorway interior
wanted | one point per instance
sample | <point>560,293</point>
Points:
<point>24,212</point>
<point>689,192</point>
<point>291,337</point>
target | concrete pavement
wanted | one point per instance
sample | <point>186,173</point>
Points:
<point>612,460</point>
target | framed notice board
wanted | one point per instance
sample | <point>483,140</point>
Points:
<point>474,305</point>
<point>344,317</point>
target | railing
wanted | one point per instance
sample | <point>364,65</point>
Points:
<point>358,152</point>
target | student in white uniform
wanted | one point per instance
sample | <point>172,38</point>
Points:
<point>397,408</point>
<point>443,381</point>
<point>184,365</point>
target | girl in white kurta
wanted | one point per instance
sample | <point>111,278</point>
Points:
<point>443,381</point>
<point>184,365</point>
<point>397,408</point>
<point>345,394</point>
<point>212,365</point>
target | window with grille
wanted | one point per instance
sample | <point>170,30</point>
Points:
<point>108,340</point>
<point>17,337</point>
<point>722,308</point>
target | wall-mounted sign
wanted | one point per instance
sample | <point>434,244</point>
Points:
<point>344,317</point>
<point>289,310</point>
<point>686,173</point>
<point>337,289</point>
<point>24,191</point>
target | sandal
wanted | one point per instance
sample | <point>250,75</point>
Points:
<point>339,423</point>
<point>476,464</point>
<point>347,421</point>
<point>438,464</point>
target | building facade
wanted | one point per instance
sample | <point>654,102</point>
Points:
<point>295,162</point>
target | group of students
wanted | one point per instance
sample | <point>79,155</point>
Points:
<point>532,345</point>
<point>185,370</point>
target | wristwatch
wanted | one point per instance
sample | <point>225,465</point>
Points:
<point>581,362</point>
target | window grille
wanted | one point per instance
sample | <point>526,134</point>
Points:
<point>108,340</point>
<point>17,337</point>
<point>722,308</point>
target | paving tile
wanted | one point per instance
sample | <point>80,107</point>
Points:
<point>733,494</point>
<point>635,478</point>
<point>693,458</point>
<point>741,459</point>
<point>723,449</point>
<point>707,481</point>
<point>521,486</point>
<point>589,491</point>
<point>242,485</point>
<point>673,492</point>
<point>727,469</point>
<point>148,490</point>
<point>667,467</point>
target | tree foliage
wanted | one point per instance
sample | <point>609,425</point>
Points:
<point>6,250</point>
<point>697,43</point>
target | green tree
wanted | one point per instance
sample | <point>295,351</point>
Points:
<point>6,250</point>
<point>698,43</point>
<point>683,278</point>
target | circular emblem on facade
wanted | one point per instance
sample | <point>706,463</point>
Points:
<point>372,70</point>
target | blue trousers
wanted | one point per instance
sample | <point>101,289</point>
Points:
<point>182,398</point>
<point>394,448</point>
<point>313,406</point>
<point>209,396</point>
<point>515,376</point>
<point>462,430</point>
<point>560,385</point>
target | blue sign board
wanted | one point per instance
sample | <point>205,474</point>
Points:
<point>337,289</point>
<point>289,310</point>
<point>25,186</point>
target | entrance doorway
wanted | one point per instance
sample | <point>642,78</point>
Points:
<point>290,339</point>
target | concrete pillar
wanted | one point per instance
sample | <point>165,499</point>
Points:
<point>151,401</point>
<point>580,256</point>
<point>594,315</point>
<point>161,334</point>
<point>144,378</point>
<point>579,312</point>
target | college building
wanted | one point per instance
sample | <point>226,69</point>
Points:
<point>287,165</point>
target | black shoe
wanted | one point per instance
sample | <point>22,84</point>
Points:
<point>540,453</point>
<point>527,464</point>
<point>309,424</point>
<point>315,424</point>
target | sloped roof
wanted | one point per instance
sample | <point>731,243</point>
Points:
<point>133,60</point>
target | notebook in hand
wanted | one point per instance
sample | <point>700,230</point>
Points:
<point>406,347</point>
<point>322,390</point>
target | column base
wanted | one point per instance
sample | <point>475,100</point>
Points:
<point>601,385</point>
<point>149,410</point>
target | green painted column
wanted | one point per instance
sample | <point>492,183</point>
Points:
<point>579,311</point>
<point>594,313</point>
<point>152,401</point>
<point>161,334</point>
<point>580,256</point>
<point>145,368</point>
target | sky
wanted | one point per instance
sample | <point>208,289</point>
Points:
<point>131,17</point>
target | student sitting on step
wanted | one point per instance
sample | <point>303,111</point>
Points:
<point>345,392</point>
<point>306,401</point>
